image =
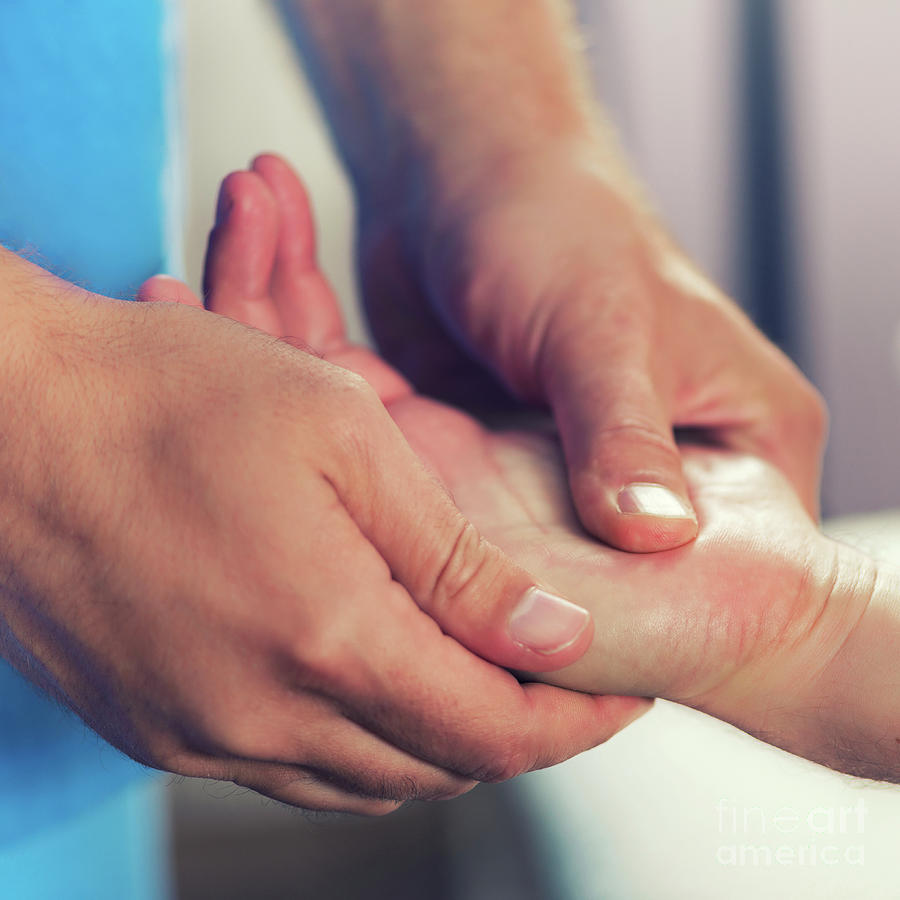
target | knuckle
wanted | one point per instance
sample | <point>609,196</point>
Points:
<point>621,445</point>
<point>635,430</point>
<point>218,731</point>
<point>516,762</point>
<point>354,412</point>
<point>324,657</point>
<point>244,736</point>
<point>397,789</point>
<point>370,783</point>
<point>244,727</point>
<point>295,785</point>
<point>313,386</point>
<point>501,757</point>
<point>169,752</point>
<point>461,571</point>
<point>160,751</point>
<point>356,390</point>
<point>349,391</point>
<point>504,766</point>
<point>804,417</point>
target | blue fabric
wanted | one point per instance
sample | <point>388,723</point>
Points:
<point>114,850</point>
<point>82,163</point>
<point>83,148</point>
<point>51,765</point>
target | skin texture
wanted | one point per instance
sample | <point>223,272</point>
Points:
<point>508,256</point>
<point>751,622</point>
<point>207,556</point>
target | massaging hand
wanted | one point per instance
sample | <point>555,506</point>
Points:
<point>741,623</point>
<point>573,299</point>
<point>504,245</point>
<point>220,552</point>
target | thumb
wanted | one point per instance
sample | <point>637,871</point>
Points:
<point>477,594</point>
<point>624,465</point>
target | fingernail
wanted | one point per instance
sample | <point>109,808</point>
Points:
<point>546,623</point>
<point>653,500</point>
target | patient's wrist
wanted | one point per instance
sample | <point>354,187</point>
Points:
<point>859,691</point>
<point>815,689</point>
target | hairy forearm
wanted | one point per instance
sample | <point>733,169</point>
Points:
<point>445,91</point>
<point>29,384</point>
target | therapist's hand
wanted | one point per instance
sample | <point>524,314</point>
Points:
<point>221,553</point>
<point>505,247</point>
<point>541,278</point>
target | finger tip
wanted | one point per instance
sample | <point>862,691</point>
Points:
<point>242,243</point>
<point>617,712</point>
<point>279,174</point>
<point>627,710</point>
<point>149,290</point>
<point>229,192</point>
<point>640,517</point>
<point>639,533</point>
<point>163,288</point>
<point>634,707</point>
<point>243,194</point>
<point>647,534</point>
<point>268,158</point>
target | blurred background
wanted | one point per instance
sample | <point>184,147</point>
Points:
<point>767,133</point>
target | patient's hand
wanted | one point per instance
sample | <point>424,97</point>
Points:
<point>741,623</point>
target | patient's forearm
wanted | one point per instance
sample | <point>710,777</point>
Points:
<point>444,91</point>
<point>860,689</point>
<point>836,700</point>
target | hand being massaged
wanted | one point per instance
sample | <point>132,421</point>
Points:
<point>761,621</point>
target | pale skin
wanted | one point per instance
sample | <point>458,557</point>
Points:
<point>762,621</point>
<point>505,249</point>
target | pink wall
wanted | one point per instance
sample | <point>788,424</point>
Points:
<point>668,70</point>
<point>844,100</point>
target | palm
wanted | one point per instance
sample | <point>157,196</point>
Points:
<point>679,624</point>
